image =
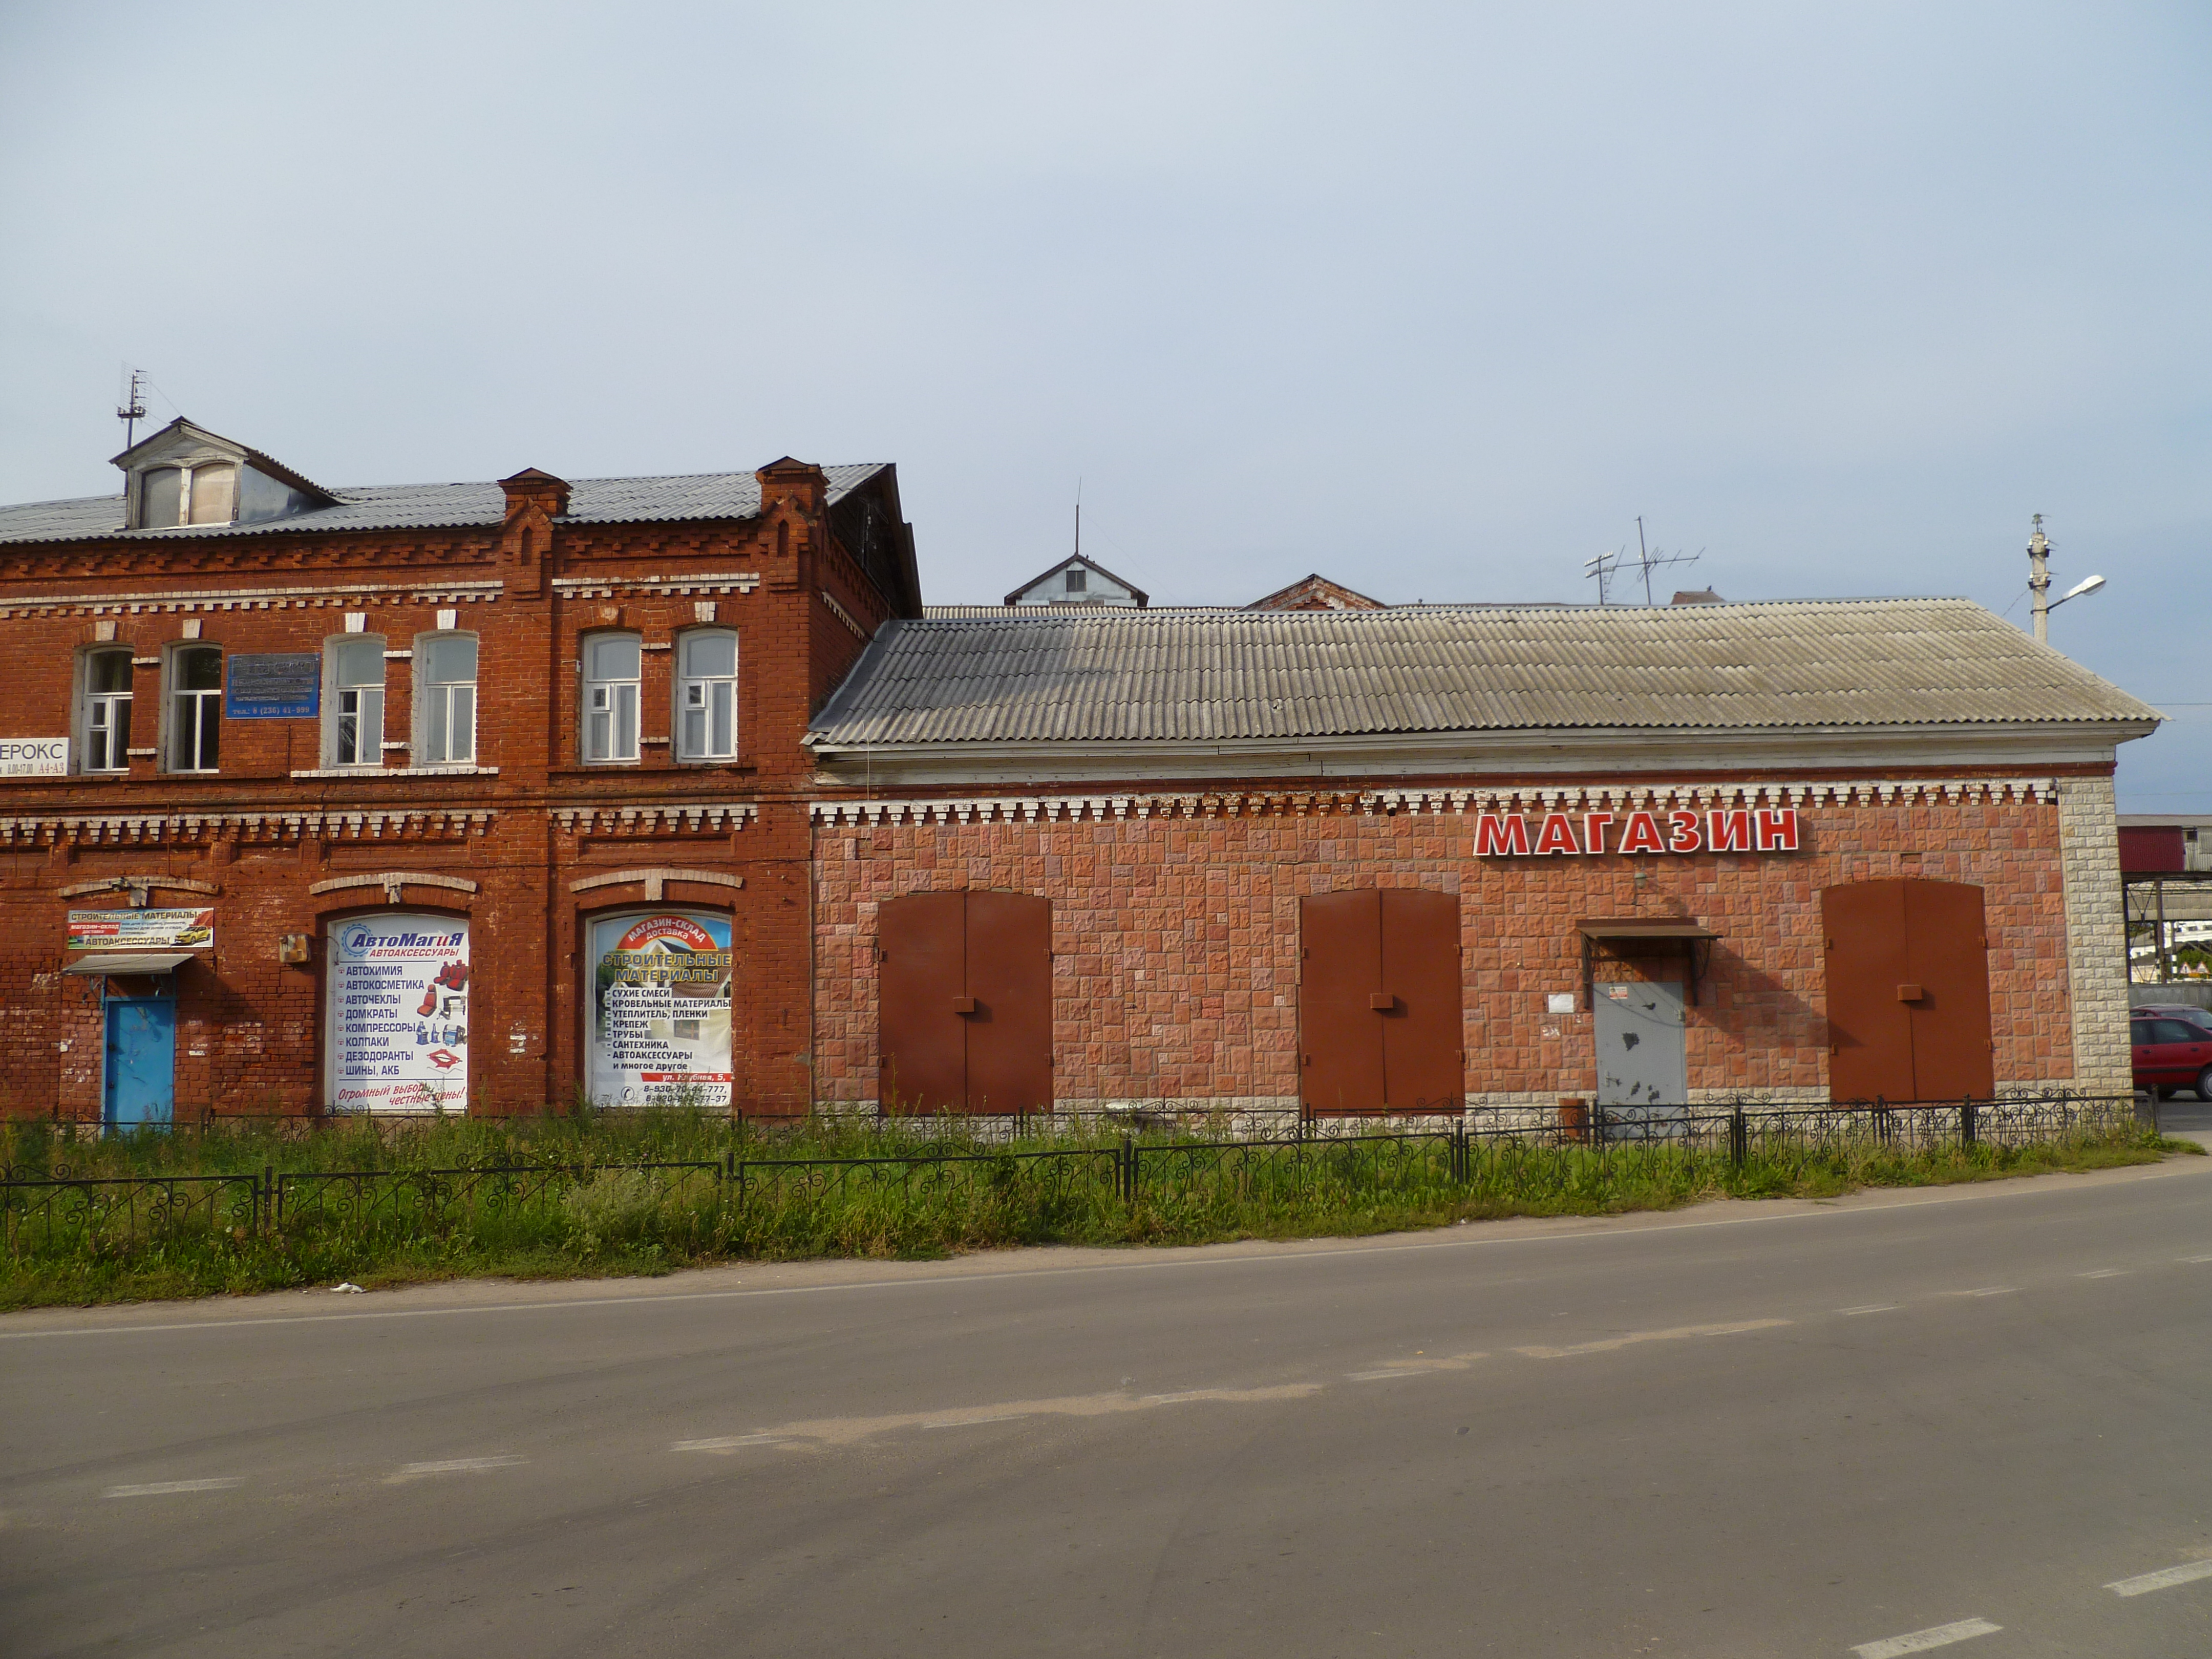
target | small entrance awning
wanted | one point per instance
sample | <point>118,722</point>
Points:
<point>131,962</point>
<point>1695,938</point>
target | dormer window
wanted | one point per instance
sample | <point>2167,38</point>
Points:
<point>184,474</point>
<point>172,496</point>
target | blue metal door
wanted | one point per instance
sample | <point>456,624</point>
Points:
<point>142,1059</point>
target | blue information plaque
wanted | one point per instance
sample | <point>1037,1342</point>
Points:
<point>279,686</point>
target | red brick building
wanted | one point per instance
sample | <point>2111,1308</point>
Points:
<point>1407,859</point>
<point>503,724</point>
<point>665,790</point>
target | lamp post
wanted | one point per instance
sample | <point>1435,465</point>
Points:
<point>2038,583</point>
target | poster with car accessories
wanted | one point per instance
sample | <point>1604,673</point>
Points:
<point>397,1015</point>
<point>142,930</point>
<point>659,989</point>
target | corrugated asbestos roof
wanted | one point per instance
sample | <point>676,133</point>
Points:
<point>1135,676</point>
<point>435,506</point>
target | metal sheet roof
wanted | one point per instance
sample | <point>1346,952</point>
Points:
<point>435,506</point>
<point>1139,676</point>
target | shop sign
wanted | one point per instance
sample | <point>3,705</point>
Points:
<point>142,930</point>
<point>275,686</point>
<point>1723,830</point>
<point>34,758</point>
<point>397,1015</point>
<point>660,1010</point>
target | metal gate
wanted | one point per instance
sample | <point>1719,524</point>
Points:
<point>1908,991</point>
<point>1642,1057</point>
<point>965,1002</point>
<point>1379,1001</point>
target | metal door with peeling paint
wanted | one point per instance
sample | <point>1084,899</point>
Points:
<point>1642,1054</point>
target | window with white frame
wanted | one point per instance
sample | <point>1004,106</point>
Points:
<point>104,715</point>
<point>445,677</point>
<point>172,496</point>
<point>353,727</point>
<point>195,708</point>
<point>706,695</point>
<point>610,676</point>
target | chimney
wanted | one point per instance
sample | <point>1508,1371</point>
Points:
<point>793,497</point>
<point>534,500</point>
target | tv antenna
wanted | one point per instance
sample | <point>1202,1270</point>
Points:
<point>133,409</point>
<point>1606,566</point>
<point>1079,518</point>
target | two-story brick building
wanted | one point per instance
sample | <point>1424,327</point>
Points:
<point>406,797</point>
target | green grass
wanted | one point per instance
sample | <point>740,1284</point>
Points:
<point>604,1218</point>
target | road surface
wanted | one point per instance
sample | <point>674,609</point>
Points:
<point>1947,1420</point>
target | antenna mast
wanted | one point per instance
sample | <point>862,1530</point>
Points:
<point>133,409</point>
<point>1650,561</point>
<point>1079,518</point>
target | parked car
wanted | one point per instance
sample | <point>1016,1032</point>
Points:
<point>2171,1053</point>
<point>2183,1011</point>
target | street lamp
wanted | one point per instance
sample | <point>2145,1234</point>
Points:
<point>2038,583</point>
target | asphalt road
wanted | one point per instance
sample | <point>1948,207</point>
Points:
<point>1746,1428</point>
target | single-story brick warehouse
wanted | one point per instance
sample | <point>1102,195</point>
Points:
<point>669,790</point>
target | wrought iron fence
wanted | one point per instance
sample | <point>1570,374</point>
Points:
<point>57,1209</point>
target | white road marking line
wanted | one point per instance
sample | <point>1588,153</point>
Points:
<point>1377,1377</point>
<point>1872,1307</point>
<point>728,1442</point>
<point>1607,1344</point>
<point>964,1422</point>
<point>451,1466</point>
<point>161,1488</point>
<point>2195,1258</point>
<point>2104,1273</point>
<point>2164,1580</point>
<point>1988,1290</point>
<point>1920,1641</point>
<point>1982,1194</point>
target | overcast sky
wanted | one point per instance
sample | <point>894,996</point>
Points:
<point>1434,301</point>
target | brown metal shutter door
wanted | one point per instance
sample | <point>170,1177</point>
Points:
<point>1422,1032</point>
<point>1946,958</point>
<point>1340,1033</point>
<point>923,971</point>
<point>1869,1034</point>
<point>1010,977</point>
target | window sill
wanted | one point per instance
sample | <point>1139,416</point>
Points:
<point>376,771</point>
<point>601,769</point>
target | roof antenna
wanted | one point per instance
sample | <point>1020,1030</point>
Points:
<point>1651,562</point>
<point>1078,516</point>
<point>133,409</point>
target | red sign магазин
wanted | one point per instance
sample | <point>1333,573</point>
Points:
<point>1723,830</point>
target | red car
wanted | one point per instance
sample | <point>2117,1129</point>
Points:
<point>2172,1054</point>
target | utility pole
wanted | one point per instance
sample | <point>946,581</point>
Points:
<point>2039,580</point>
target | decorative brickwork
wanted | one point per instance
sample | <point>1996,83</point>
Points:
<point>1174,926</point>
<point>526,843</point>
<point>2096,955</point>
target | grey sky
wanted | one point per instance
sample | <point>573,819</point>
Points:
<point>1433,300</point>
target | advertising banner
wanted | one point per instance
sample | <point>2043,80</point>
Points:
<point>142,930</point>
<point>273,686</point>
<point>659,1014</point>
<point>34,758</point>
<point>397,1015</point>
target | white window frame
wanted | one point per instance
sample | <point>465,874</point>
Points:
<point>89,701</point>
<point>365,698</point>
<point>602,700</point>
<point>174,697</point>
<point>184,471</point>
<point>431,694</point>
<point>681,707</point>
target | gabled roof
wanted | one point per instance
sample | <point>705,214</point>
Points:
<point>434,506</point>
<point>1090,564</point>
<point>1315,592</point>
<point>1107,676</point>
<point>155,443</point>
